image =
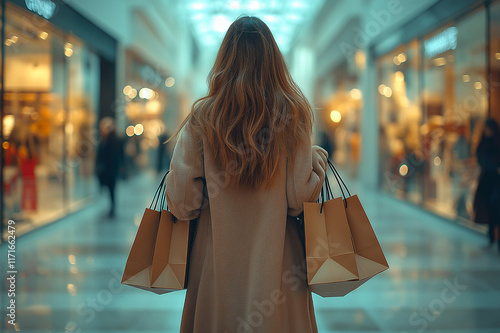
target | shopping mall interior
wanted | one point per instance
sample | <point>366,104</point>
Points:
<point>402,92</point>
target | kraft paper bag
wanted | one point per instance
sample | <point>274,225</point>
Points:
<point>139,263</point>
<point>370,259</point>
<point>369,256</point>
<point>171,254</point>
<point>330,257</point>
<point>158,259</point>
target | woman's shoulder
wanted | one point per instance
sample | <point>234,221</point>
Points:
<point>189,135</point>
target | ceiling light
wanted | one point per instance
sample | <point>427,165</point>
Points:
<point>169,82</point>
<point>356,94</point>
<point>234,4</point>
<point>130,130</point>
<point>387,92</point>
<point>197,6</point>
<point>132,93</point>
<point>269,18</point>
<point>399,76</point>
<point>335,116</point>
<point>210,20</point>
<point>403,170</point>
<point>298,4</point>
<point>127,89</point>
<point>439,61</point>
<point>138,129</point>
<point>254,5</point>
<point>273,4</point>
<point>221,23</point>
<point>146,93</point>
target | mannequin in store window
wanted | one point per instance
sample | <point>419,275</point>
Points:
<point>109,159</point>
<point>487,199</point>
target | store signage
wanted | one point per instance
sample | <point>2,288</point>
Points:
<point>442,42</point>
<point>44,8</point>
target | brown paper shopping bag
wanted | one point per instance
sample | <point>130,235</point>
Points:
<point>171,253</point>
<point>369,255</point>
<point>370,258</point>
<point>138,268</point>
<point>159,255</point>
<point>330,257</point>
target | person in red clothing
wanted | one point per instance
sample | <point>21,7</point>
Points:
<point>27,163</point>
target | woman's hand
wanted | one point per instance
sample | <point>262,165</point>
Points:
<point>320,158</point>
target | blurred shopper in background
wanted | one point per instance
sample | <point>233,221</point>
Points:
<point>243,162</point>
<point>487,199</point>
<point>109,158</point>
<point>164,154</point>
<point>327,143</point>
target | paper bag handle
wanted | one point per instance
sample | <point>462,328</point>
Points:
<point>337,176</point>
<point>159,197</point>
<point>327,187</point>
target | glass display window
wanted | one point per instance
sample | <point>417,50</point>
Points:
<point>51,84</point>
<point>433,101</point>
<point>400,117</point>
<point>455,105</point>
<point>494,61</point>
<point>340,103</point>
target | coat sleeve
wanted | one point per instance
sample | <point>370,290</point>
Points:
<point>186,180</point>
<point>304,178</point>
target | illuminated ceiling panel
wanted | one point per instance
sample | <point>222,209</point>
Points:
<point>210,19</point>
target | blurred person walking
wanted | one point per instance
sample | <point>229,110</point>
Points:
<point>487,198</point>
<point>109,159</point>
<point>164,153</point>
<point>243,162</point>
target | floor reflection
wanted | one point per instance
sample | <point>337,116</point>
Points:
<point>442,277</point>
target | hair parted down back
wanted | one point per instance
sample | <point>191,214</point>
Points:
<point>254,112</point>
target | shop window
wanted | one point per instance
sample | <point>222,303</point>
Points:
<point>401,155</point>
<point>80,128</point>
<point>433,101</point>
<point>338,117</point>
<point>51,84</point>
<point>455,106</point>
<point>495,61</point>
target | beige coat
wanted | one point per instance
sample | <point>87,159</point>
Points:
<point>247,270</point>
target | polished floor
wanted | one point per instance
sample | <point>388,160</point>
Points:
<point>443,278</point>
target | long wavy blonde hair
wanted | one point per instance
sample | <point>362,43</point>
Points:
<point>254,112</point>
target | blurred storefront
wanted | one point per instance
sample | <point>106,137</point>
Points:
<point>339,102</point>
<point>58,76</point>
<point>150,103</point>
<point>438,81</point>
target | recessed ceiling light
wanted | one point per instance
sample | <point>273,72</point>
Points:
<point>210,19</point>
